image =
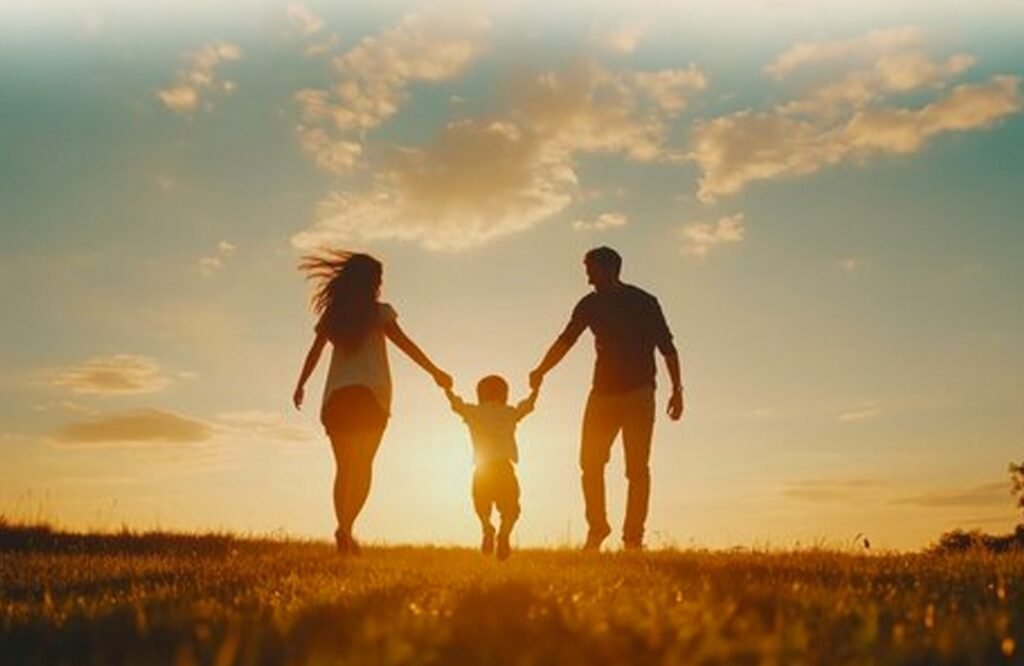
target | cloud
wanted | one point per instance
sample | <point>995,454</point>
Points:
<point>589,108</point>
<point>199,77</point>
<point>602,222</point>
<point>373,78</point>
<point>322,47</point>
<point>210,264</point>
<point>622,39</point>
<point>850,264</point>
<point>701,238</point>
<point>257,424</point>
<point>984,495</point>
<point>310,26</point>
<point>850,119</point>
<point>122,374</point>
<point>866,410</point>
<point>483,178</point>
<point>139,427</point>
<point>66,406</point>
<point>328,153</point>
<point>303,18</point>
<point>896,73</point>
<point>747,146</point>
<point>479,181</point>
<point>832,490</point>
<point>872,44</point>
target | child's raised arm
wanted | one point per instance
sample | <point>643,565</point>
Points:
<point>457,403</point>
<point>526,405</point>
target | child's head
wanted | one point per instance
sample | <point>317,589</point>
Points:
<point>492,388</point>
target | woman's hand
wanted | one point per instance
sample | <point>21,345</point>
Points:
<point>298,396</point>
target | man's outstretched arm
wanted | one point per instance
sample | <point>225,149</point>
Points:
<point>555,354</point>
<point>577,324</point>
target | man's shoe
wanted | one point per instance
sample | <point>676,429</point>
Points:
<point>504,548</point>
<point>633,546</point>
<point>487,544</point>
<point>595,538</point>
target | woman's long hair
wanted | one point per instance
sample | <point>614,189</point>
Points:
<point>346,294</point>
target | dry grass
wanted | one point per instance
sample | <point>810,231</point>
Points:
<point>176,599</point>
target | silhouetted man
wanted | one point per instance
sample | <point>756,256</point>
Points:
<point>628,325</point>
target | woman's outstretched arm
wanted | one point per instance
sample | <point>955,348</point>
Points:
<point>312,358</point>
<point>412,350</point>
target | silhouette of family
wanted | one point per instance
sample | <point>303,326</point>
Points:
<point>627,324</point>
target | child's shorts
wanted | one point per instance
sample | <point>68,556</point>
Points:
<point>495,485</point>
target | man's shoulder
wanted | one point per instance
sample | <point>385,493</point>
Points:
<point>639,294</point>
<point>586,303</point>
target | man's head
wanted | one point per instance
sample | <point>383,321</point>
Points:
<point>603,266</point>
<point>492,388</point>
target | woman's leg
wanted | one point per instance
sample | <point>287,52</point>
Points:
<point>355,424</point>
<point>357,475</point>
<point>342,472</point>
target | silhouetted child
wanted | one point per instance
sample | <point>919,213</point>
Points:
<point>492,427</point>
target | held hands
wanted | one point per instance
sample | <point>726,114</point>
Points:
<point>536,379</point>
<point>442,378</point>
<point>675,405</point>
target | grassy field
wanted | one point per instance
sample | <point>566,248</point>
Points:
<point>167,599</point>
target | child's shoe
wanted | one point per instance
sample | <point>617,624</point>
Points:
<point>504,548</point>
<point>487,544</point>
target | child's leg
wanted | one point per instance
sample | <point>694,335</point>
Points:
<point>507,493</point>
<point>483,500</point>
<point>507,498</point>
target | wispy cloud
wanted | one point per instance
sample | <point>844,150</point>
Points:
<point>199,77</point>
<point>833,490</point>
<point>602,222</point>
<point>860,491</point>
<point>121,374</point>
<point>212,263</point>
<point>851,117</point>
<point>850,264</point>
<point>863,411</point>
<point>699,238</point>
<point>255,424</point>
<point>139,427</point>
<point>984,495</point>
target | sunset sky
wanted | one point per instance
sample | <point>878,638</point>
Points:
<point>825,196</point>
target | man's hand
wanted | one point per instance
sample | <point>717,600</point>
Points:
<point>536,379</point>
<point>675,405</point>
<point>298,396</point>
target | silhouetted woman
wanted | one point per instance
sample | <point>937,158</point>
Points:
<point>357,396</point>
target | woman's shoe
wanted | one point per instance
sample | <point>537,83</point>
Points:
<point>343,542</point>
